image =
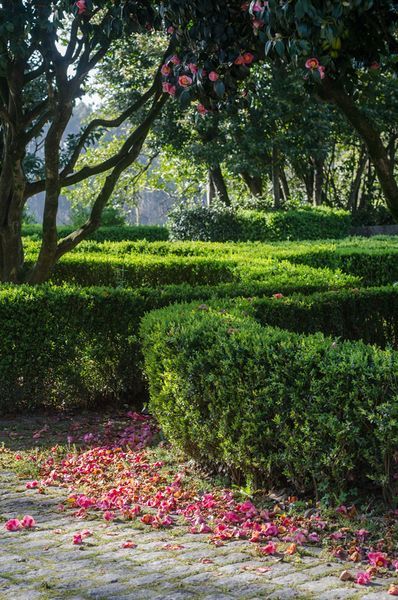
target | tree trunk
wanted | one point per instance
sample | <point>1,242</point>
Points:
<point>254,184</point>
<point>309,185</point>
<point>332,92</point>
<point>356,184</point>
<point>211,190</point>
<point>276,186</point>
<point>284,184</point>
<point>219,184</point>
<point>319,178</point>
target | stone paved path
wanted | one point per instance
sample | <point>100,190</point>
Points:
<point>166,565</point>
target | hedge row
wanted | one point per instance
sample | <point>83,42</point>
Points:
<point>370,315</point>
<point>65,346</point>
<point>111,234</point>
<point>270,406</point>
<point>151,271</point>
<point>375,262</point>
<point>222,224</point>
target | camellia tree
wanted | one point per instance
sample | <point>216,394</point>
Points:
<point>47,51</point>
<point>332,42</point>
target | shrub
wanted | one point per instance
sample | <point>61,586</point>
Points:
<point>151,270</point>
<point>68,346</point>
<point>220,224</point>
<point>374,267</point>
<point>141,271</point>
<point>272,406</point>
<point>370,315</point>
<point>110,234</point>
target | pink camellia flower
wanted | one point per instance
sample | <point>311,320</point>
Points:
<point>312,64</point>
<point>213,76</point>
<point>269,549</point>
<point>77,539</point>
<point>86,533</point>
<point>175,60</point>
<point>81,7</point>
<point>393,590</point>
<point>278,296</point>
<point>321,71</point>
<point>171,30</point>
<point>30,485</point>
<point>395,564</point>
<point>258,6</point>
<point>28,522</point>
<point>185,80</point>
<point>378,559</point>
<point>108,515</point>
<point>363,578</point>
<point>193,68</point>
<point>168,88</point>
<point>271,530</point>
<point>202,110</point>
<point>362,534</point>
<point>13,525</point>
<point>165,70</point>
<point>248,58</point>
<point>258,24</point>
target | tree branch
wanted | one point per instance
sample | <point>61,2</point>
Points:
<point>140,134</point>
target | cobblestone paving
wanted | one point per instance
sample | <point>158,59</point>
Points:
<point>44,564</point>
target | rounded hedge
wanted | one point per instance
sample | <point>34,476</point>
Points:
<point>273,407</point>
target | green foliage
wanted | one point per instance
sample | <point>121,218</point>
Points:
<point>270,406</point>
<point>370,315</point>
<point>111,234</point>
<point>78,346</point>
<point>152,271</point>
<point>219,224</point>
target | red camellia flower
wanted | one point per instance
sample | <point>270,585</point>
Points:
<point>165,70</point>
<point>375,65</point>
<point>239,60</point>
<point>213,76</point>
<point>248,58</point>
<point>278,296</point>
<point>202,110</point>
<point>312,63</point>
<point>185,81</point>
<point>77,539</point>
<point>168,88</point>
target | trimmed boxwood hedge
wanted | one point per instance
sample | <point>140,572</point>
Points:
<point>223,224</point>
<point>110,234</point>
<point>150,270</point>
<point>271,406</point>
<point>370,315</point>
<point>67,346</point>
